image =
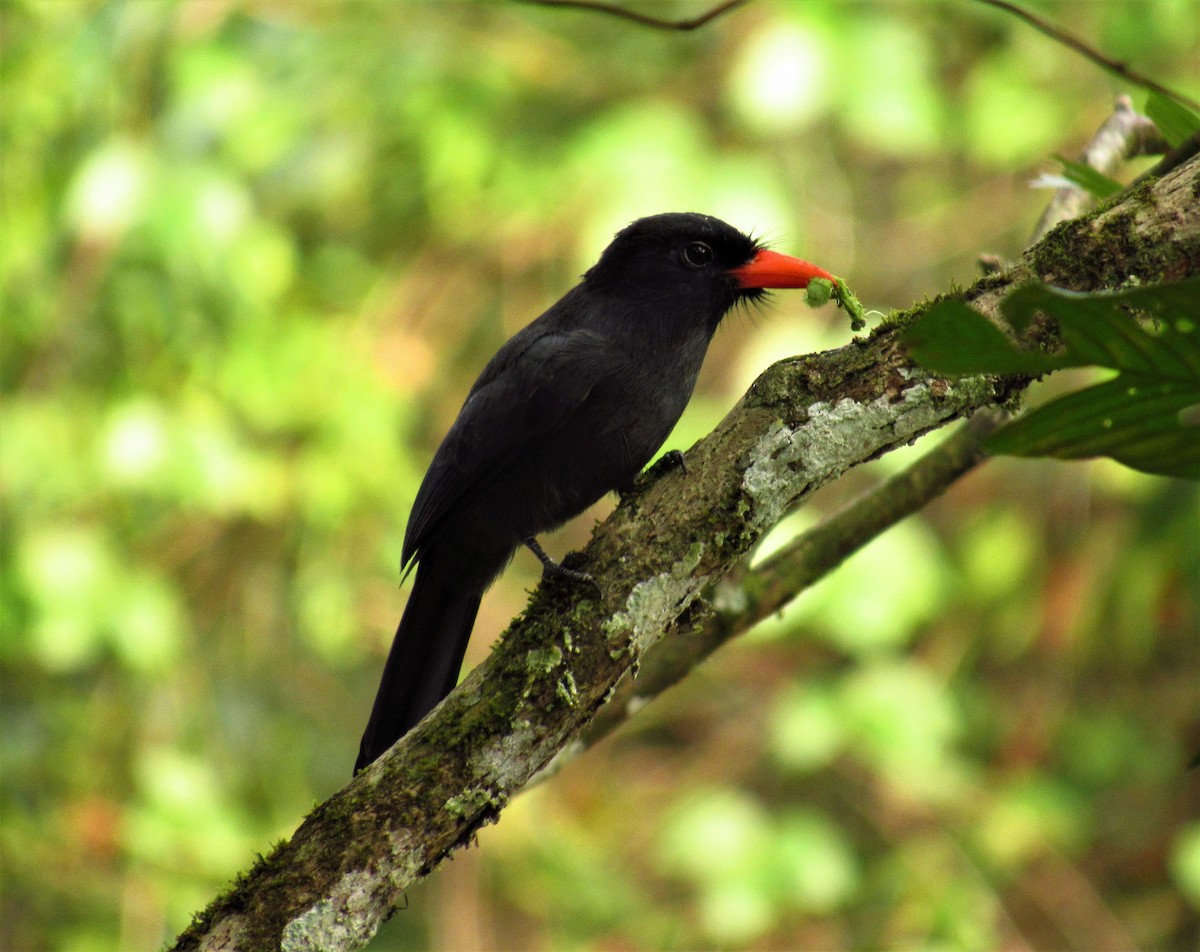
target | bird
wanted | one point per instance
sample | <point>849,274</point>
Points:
<point>571,407</point>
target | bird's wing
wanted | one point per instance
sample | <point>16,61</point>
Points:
<point>531,388</point>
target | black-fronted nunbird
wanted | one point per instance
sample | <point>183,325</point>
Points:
<point>570,408</point>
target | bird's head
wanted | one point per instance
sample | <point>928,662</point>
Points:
<point>694,265</point>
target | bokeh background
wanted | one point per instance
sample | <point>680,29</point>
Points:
<point>253,255</point>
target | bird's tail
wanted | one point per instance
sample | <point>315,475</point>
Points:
<point>422,666</point>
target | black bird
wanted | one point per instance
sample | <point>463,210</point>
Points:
<point>571,407</point>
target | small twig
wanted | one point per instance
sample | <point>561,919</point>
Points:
<point>1124,135</point>
<point>1090,52</point>
<point>643,19</point>
<point>1173,159</point>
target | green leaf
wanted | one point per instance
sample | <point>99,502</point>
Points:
<point>1175,121</point>
<point>1099,329</point>
<point>952,338</point>
<point>1132,419</point>
<point>1147,417</point>
<point>1089,179</point>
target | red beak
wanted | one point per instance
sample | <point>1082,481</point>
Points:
<point>770,269</point>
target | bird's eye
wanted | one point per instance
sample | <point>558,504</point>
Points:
<point>698,254</point>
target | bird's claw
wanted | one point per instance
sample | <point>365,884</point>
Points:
<point>556,570</point>
<point>674,460</point>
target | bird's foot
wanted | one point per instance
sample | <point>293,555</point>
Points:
<point>552,569</point>
<point>673,459</point>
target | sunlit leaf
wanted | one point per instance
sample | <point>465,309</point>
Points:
<point>807,728</point>
<point>953,338</point>
<point>1089,179</point>
<point>815,867</point>
<point>716,834</point>
<point>1141,429</point>
<point>1175,121</point>
<point>1185,863</point>
<point>1028,817</point>
<point>901,717</point>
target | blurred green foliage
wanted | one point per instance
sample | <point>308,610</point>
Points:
<point>253,254</point>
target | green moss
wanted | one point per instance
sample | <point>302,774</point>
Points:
<point>473,802</point>
<point>1103,250</point>
<point>543,660</point>
<point>566,690</point>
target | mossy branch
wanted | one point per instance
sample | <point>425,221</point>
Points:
<point>803,423</point>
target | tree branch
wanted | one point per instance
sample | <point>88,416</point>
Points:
<point>802,424</point>
<point>748,595</point>
<point>1125,134</point>
<point>644,19</point>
